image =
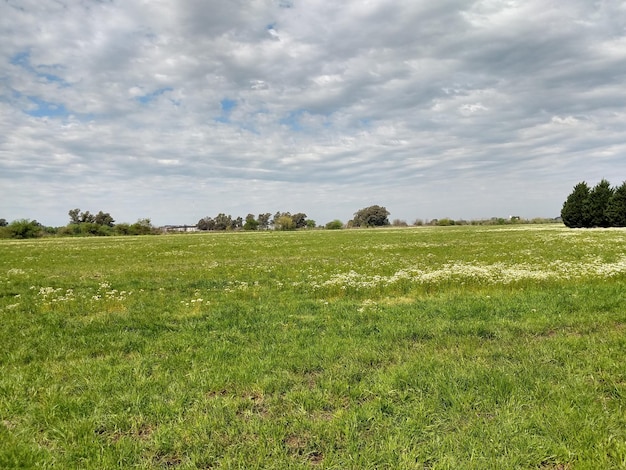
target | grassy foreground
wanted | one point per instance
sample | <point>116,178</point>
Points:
<point>429,348</point>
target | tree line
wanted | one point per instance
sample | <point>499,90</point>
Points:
<point>372,216</point>
<point>85,223</point>
<point>80,224</point>
<point>600,206</point>
<point>263,221</point>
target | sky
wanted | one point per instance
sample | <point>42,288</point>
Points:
<point>177,110</point>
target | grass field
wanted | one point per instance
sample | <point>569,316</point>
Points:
<point>434,347</point>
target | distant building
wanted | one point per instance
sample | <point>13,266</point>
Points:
<point>180,228</point>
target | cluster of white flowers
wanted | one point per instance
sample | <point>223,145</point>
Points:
<point>106,293</point>
<point>196,301</point>
<point>15,272</point>
<point>192,302</point>
<point>51,294</point>
<point>233,286</point>
<point>495,273</point>
<point>59,294</point>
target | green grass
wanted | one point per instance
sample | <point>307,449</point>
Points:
<point>451,347</point>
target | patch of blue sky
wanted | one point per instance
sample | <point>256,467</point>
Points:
<point>52,78</point>
<point>44,108</point>
<point>147,98</point>
<point>227,106</point>
<point>298,121</point>
<point>22,59</point>
<point>293,120</point>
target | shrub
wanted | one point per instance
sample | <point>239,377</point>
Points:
<point>399,223</point>
<point>334,224</point>
<point>24,228</point>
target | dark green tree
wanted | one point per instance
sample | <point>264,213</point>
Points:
<point>87,217</point>
<point>3,222</point>
<point>251,223</point>
<point>206,223</point>
<point>223,221</point>
<point>616,208</point>
<point>141,227</point>
<point>236,224</point>
<point>573,211</point>
<point>594,207</point>
<point>372,216</point>
<point>74,216</point>
<point>299,220</point>
<point>25,228</point>
<point>104,218</point>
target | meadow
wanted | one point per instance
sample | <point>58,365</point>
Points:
<point>419,348</point>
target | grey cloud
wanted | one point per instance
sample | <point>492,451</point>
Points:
<point>446,102</point>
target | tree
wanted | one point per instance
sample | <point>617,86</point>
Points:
<point>299,220</point>
<point>594,207</point>
<point>251,223</point>
<point>573,212</point>
<point>284,222</point>
<point>74,216</point>
<point>223,221</point>
<point>206,223</point>
<point>103,218</point>
<point>87,217</point>
<point>264,220</point>
<point>141,227</point>
<point>3,222</point>
<point>24,228</point>
<point>122,229</point>
<point>277,216</point>
<point>236,224</point>
<point>372,216</point>
<point>616,208</point>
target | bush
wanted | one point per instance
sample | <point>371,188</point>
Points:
<point>334,225</point>
<point>445,222</point>
<point>24,228</point>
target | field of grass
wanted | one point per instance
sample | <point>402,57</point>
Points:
<point>430,348</point>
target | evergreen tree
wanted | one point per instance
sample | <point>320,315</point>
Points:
<point>572,211</point>
<point>616,209</point>
<point>594,208</point>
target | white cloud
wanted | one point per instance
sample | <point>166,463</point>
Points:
<point>434,109</point>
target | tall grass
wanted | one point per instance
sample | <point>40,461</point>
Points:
<point>450,347</point>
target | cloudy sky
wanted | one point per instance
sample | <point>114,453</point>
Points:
<point>176,110</point>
